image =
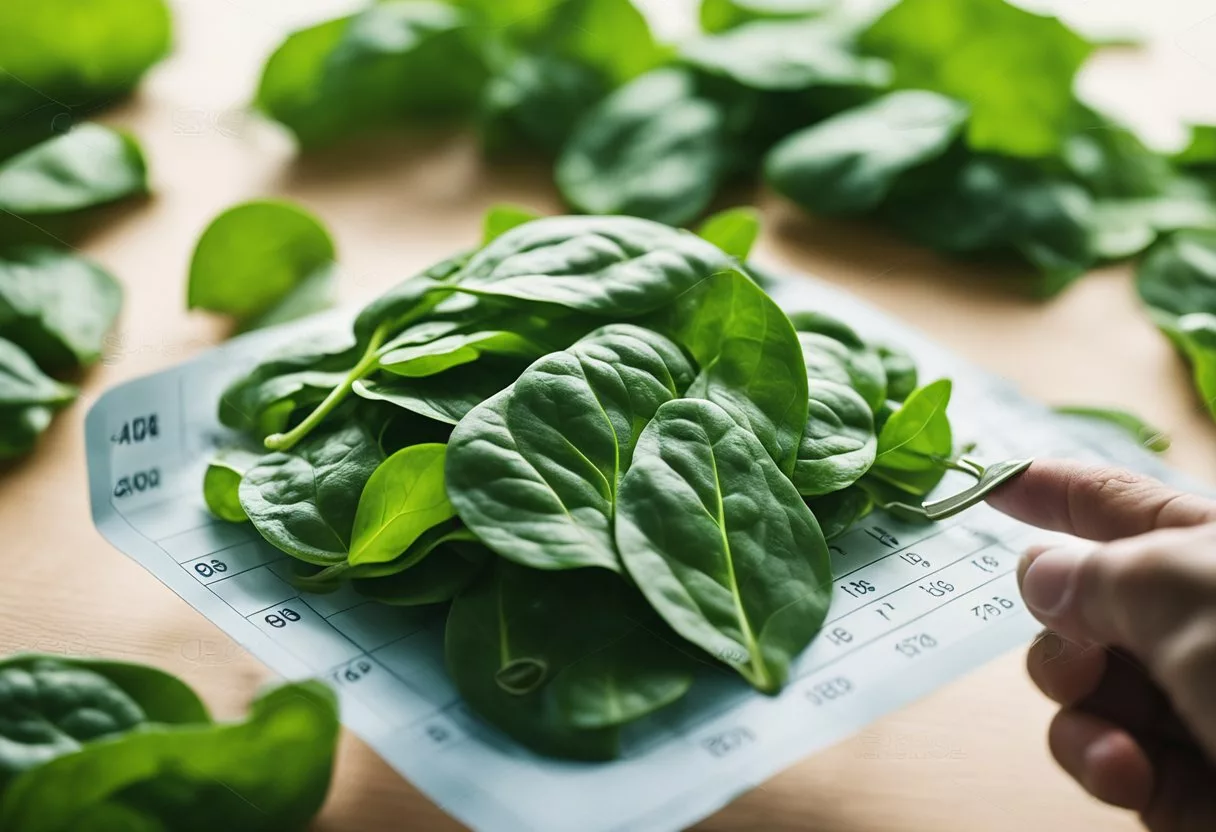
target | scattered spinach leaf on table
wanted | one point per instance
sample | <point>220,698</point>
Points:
<point>1135,427</point>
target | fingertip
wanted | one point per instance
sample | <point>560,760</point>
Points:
<point>1103,758</point>
<point>1065,671</point>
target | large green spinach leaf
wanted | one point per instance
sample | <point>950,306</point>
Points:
<point>534,471</point>
<point>652,149</point>
<point>848,163</point>
<point>90,165</point>
<point>255,256</point>
<point>560,690</point>
<point>979,51</point>
<point>841,355</point>
<point>57,306</point>
<point>183,777</point>
<point>750,593</point>
<point>750,359</point>
<point>305,502</point>
<point>363,72</point>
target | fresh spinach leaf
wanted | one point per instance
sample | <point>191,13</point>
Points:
<point>541,683</point>
<point>1179,274</point>
<point>362,72</point>
<point>900,370</point>
<point>55,71</point>
<point>56,306</point>
<point>721,15</point>
<point>841,510</point>
<point>502,218</point>
<point>849,163</point>
<point>183,777</point>
<point>750,358</point>
<point>1144,433</point>
<point>609,36</point>
<point>534,471</point>
<point>839,445</point>
<point>751,594</point>
<point>916,443</point>
<point>442,354</point>
<point>978,51</point>
<point>834,352</point>
<point>253,256</point>
<point>1112,162</point>
<point>403,498</point>
<point>20,428</point>
<point>734,231</point>
<point>652,149</point>
<point>612,267</point>
<point>22,384</point>
<point>90,165</point>
<point>305,502</point>
<point>787,55</point>
<point>1201,151</point>
<point>1195,337</point>
<point>52,706</point>
<point>222,482</point>
<point>428,543</point>
<point>536,101</point>
<point>447,397</point>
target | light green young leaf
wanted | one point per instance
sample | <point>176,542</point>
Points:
<point>253,255</point>
<point>502,218</point>
<point>734,231</point>
<point>404,497</point>
<point>22,384</point>
<point>848,163</point>
<point>652,149</point>
<point>977,52</point>
<point>750,358</point>
<point>751,594</point>
<point>721,15</point>
<point>304,502</point>
<point>561,691</point>
<point>917,437</point>
<point>183,777</point>
<point>1201,152</point>
<point>787,55</point>
<point>56,306</point>
<point>534,471</point>
<point>90,165</point>
<point>222,482</point>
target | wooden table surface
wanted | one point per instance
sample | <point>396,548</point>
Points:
<point>970,757</point>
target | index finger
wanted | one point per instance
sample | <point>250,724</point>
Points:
<point>1097,503</point>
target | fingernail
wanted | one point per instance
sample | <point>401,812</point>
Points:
<point>1049,579</point>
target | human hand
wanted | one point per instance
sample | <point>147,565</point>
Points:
<point>1130,650</point>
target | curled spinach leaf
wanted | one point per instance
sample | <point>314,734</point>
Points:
<point>752,594</point>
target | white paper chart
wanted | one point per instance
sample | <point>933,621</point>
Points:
<point>914,607</point>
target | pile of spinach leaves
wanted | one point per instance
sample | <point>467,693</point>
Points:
<point>107,745</point>
<point>56,172</point>
<point>602,423</point>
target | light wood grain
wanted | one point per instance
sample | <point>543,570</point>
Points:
<point>970,757</point>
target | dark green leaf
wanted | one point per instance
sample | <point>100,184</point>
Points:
<point>980,52</point>
<point>652,149</point>
<point>364,72</point>
<point>90,165</point>
<point>751,592</point>
<point>56,306</point>
<point>900,371</point>
<point>848,164</point>
<point>834,352</point>
<point>559,678</point>
<point>1112,162</point>
<point>750,359</point>
<point>1144,433</point>
<point>535,101</point>
<point>787,55</point>
<point>252,256</point>
<point>447,397</point>
<point>1125,227</point>
<point>184,777</point>
<point>734,231</point>
<point>52,706</point>
<point>840,511</point>
<point>1195,336</point>
<point>613,267</point>
<point>304,502</point>
<point>437,578</point>
<point>20,429</point>
<point>1179,274</point>
<point>23,384</point>
<point>534,471</point>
